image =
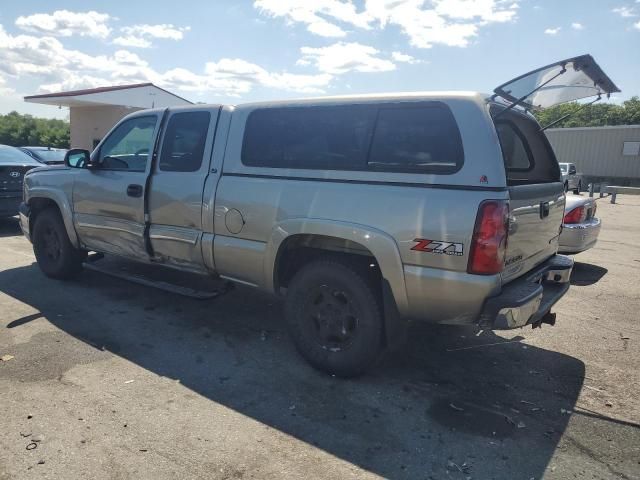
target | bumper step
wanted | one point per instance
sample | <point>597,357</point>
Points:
<point>528,300</point>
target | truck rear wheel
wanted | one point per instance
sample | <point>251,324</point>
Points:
<point>335,318</point>
<point>56,257</point>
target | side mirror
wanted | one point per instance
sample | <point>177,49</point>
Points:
<point>77,158</point>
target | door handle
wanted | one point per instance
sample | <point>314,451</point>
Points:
<point>134,190</point>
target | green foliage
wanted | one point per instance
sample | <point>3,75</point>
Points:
<point>24,130</point>
<point>596,115</point>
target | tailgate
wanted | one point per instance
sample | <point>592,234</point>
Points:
<point>536,212</point>
<point>536,193</point>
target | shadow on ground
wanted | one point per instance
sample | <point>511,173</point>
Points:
<point>9,227</point>
<point>584,274</point>
<point>450,397</point>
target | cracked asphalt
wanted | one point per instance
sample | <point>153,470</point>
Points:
<point>106,379</point>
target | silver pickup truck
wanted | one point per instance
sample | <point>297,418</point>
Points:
<point>571,178</point>
<point>363,212</point>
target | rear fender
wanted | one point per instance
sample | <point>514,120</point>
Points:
<point>381,245</point>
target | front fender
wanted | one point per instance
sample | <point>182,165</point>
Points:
<point>380,244</point>
<point>60,198</point>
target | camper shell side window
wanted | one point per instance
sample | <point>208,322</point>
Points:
<point>413,137</point>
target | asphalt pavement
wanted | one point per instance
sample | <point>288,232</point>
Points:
<point>105,379</point>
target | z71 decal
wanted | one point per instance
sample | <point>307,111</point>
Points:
<point>437,246</point>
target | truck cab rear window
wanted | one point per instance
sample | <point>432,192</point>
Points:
<point>416,137</point>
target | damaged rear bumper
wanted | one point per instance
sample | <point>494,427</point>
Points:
<point>528,300</point>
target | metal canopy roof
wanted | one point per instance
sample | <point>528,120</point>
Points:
<point>138,95</point>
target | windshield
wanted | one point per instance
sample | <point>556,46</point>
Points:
<point>564,167</point>
<point>51,155</point>
<point>13,155</point>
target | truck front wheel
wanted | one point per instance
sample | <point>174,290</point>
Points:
<point>334,315</point>
<point>56,256</point>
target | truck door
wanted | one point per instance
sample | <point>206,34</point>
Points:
<point>177,185</point>
<point>108,199</point>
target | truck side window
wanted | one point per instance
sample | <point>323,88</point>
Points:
<point>411,138</point>
<point>129,145</point>
<point>324,137</point>
<point>184,140</point>
<point>416,138</point>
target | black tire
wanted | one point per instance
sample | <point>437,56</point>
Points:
<point>56,257</point>
<point>334,315</point>
<point>566,187</point>
<point>578,188</point>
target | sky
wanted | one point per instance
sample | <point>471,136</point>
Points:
<point>233,51</point>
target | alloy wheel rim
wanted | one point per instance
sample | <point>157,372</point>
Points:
<point>52,246</point>
<point>333,317</point>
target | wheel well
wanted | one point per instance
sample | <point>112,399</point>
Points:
<point>298,250</point>
<point>38,205</point>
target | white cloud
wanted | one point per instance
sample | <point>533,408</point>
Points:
<point>424,27</point>
<point>139,35</point>
<point>624,12</point>
<point>131,41</point>
<point>446,22</point>
<point>485,10</point>
<point>552,31</point>
<point>59,68</point>
<point>577,26</point>
<point>4,90</point>
<point>403,58</point>
<point>313,14</point>
<point>245,74</point>
<point>164,30</point>
<point>636,25</point>
<point>63,23</point>
<point>345,57</point>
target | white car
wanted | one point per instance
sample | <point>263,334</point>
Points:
<point>580,227</point>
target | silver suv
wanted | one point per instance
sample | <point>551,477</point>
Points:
<point>363,212</point>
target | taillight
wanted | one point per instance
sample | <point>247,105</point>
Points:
<point>489,242</point>
<point>577,215</point>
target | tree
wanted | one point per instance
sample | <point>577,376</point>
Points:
<point>596,115</point>
<point>21,130</point>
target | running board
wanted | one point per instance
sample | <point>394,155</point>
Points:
<point>187,284</point>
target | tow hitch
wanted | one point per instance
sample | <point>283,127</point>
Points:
<point>549,318</point>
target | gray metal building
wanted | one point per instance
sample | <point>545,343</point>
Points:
<point>601,154</point>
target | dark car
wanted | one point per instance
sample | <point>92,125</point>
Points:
<point>46,155</point>
<point>14,163</point>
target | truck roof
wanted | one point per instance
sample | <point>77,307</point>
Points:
<point>371,97</point>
